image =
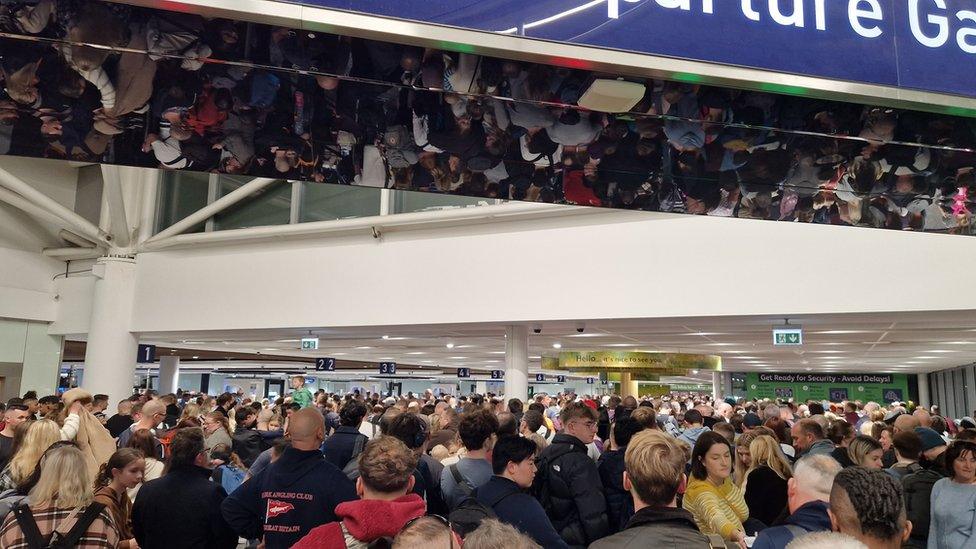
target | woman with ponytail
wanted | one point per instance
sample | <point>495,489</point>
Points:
<point>121,472</point>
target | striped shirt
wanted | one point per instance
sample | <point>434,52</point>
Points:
<point>101,533</point>
<point>717,509</point>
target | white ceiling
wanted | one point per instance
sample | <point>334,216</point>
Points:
<point>894,342</point>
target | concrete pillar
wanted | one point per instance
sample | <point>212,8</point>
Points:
<point>169,374</point>
<point>110,359</point>
<point>628,385</point>
<point>924,397</point>
<point>717,385</point>
<point>517,362</point>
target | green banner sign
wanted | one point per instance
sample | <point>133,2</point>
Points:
<point>653,390</point>
<point>634,362</point>
<point>882,388</point>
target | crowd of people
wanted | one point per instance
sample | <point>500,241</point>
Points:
<point>178,91</point>
<point>363,470</point>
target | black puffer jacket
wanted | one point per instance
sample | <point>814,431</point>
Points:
<point>569,488</point>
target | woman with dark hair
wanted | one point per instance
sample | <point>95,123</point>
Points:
<point>718,505</point>
<point>123,471</point>
<point>782,432</point>
<point>954,500</point>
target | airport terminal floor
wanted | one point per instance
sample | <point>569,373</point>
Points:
<point>434,274</point>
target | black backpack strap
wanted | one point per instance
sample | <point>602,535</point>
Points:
<point>25,519</point>
<point>81,526</point>
<point>461,482</point>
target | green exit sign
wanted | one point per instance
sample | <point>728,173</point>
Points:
<point>310,343</point>
<point>788,336</point>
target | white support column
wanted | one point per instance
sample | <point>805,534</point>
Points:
<point>169,374</point>
<point>717,385</point>
<point>924,398</point>
<point>110,358</point>
<point>517,362</point>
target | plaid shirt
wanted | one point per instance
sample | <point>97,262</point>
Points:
<point>100,535</point>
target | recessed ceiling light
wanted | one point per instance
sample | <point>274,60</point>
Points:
<point>535,357</point>
<point>926,357</point>
<point>496,352</point>
<point>284,341</point>
<point>694,372</point>
<point>196,357</point>
<point>457,357</point>
<point>339,354</point>
<point>416,353</point>
<point>363,348</point>
<point>942,351</point>
<point>808,369</point>
<point>840,332</point>
<point>450,345</point>
<point>589,335</point>
<point>557,345</point>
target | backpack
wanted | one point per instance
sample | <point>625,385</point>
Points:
<point>461,482</point>
<point>351,470</point>
<point>230,477</point>
<point>467,516</point>
<point>34,539</point>
<point>541,484</point>
<point>918,493</point>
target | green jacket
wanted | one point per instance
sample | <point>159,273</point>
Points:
<point>302,396</point>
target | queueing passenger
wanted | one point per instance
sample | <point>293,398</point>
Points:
<point>808,496</point>
<point>143,441</point>
<point>718,505</point>
<point>40,435</point>
<point>477,431</point>
<point>413,431</point>
<point>492,534</point>
<point>247,441</point>
<point>339,448</point>
<point>954,500</point>
<point>611,466</point>
<point>388,503</point>
<point>513,464</point>
<point>182,508</point>
<point>63,489</point>
<point>766,482</point>
<point>122,472</point>
<point>867,505</point>
<point>296,493</point>
<point>808,438</point>
<point>655,475</point>
<point>568,483</point>
<point>427,532</point>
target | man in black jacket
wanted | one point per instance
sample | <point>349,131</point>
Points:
<point>568,482</point>
<point>655,472</point>
<point>611,466</point>
<point>248,442</point>
<point>339,448</point>
<point>294,494</point>
<point>195,521</point>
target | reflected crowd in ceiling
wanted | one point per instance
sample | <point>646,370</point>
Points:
<point>104,82</point>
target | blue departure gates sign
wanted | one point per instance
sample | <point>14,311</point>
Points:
<point>928,45</point>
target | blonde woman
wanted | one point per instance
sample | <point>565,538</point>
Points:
<point>40,436</point>
<point>63,489</point>
<point>865,452</point>
<point>191,410</point>
<point>743,458</point>
<point>766,481</point>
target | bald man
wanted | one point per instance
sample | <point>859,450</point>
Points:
<point>296,493</point>
<point>905,422</point>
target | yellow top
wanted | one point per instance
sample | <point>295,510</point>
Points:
<point>717,509</point>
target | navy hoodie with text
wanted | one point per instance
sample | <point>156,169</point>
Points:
<point>282,503</point>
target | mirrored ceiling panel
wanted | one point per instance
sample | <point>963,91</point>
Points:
<point>107,82</point>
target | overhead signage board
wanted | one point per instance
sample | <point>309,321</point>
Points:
<point>387,368</point>
<point>540,377</point>
<point>310,343</point>
<point>589,381</point>
<point>927,45</point>
<point>787,336</point>
<point>325,364</point>
<point>560,379</point>
<point>880,388</point>
<point>498,374</point>
<point>634,362</point>
<point>146,354</point>
<point>463,372</point>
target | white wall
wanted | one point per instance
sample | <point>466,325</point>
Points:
<point>26,285</point>
<point>612,265</point>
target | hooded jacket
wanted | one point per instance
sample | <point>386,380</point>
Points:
<point>568,487</point>
<point>811,517</point>
<point>690,435</point>
<point>366,521</point>
<point>667,526</point>
<point>288,498</point>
